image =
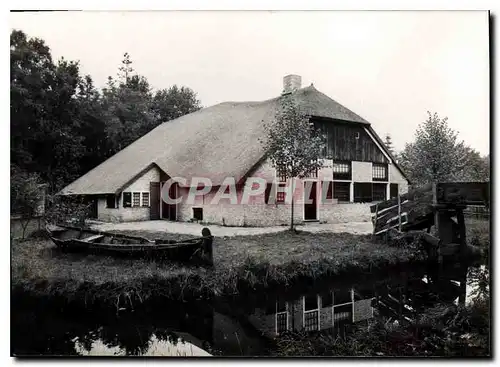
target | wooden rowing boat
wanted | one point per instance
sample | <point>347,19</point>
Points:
<point>76,240</point>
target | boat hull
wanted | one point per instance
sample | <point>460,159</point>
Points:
<point>74,240</point>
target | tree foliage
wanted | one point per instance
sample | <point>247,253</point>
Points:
<point>438,155</point>
<point>292,143</point>
<point>388,143</point>
<point>62,126</point>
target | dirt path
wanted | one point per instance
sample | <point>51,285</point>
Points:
<point>162,226</point>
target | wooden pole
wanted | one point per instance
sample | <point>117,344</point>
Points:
<point>399,211</point>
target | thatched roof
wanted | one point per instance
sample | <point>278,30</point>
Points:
<point>214,142</point>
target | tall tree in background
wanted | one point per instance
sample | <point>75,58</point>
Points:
<point>388,143</point>
<point>62,125</point>
<point>292,144</point>
<point>171,103</point>
<point>43,112</point>
<point>438,155</point>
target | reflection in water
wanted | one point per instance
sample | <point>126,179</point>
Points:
<point>155,347</point>
<point>243,326</point>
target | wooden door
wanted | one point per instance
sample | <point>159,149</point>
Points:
<point>154,197</point>
<point>311,207</point>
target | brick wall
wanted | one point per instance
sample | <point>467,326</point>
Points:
<point>141,184</point>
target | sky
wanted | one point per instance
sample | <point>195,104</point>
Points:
<point>388,67</point>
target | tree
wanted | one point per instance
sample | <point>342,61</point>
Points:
<point>174,102</point>
<point>26,195</point>
<point>388,143</point>
<point>437,155</point>
<point>292,144</point>
<point>43,111</point>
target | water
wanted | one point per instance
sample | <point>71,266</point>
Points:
<point>242,326</point>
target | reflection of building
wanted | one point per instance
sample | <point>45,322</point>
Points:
<point>332,309</point>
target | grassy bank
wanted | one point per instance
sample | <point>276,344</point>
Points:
<point>241,264</point>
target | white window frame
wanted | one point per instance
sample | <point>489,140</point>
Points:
<point>351,302</point>
<point>318,305</point>
<point>279,313</point>
<point>142,199</point>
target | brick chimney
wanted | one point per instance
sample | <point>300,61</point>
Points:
<point>291,83</point>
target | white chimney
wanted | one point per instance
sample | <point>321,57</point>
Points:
<point>291,83</point>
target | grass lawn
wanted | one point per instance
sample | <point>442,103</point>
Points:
<point>240,263</point>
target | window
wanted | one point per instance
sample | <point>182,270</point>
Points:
<point>342,297</point>
<point>111,201</point>
<point>281,316</point>
<point>394,190</point>
<point>341,170</point>
<point>379,191</point>
<point>145,199</point>
<point>326,299</point>
<point>311,312</point>
<point>362,192</point>
<point>341,191</point>
<point>280,196</point>
<point>280,173</point>
<point>379,172</point>
<point>136,199</point>
<point>127,199</point>
<point>198,213</point>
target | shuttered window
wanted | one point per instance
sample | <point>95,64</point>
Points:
<point>111,201</point>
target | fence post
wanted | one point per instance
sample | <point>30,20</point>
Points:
<point>399,211</point>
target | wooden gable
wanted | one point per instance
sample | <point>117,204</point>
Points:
<point>348,142</point>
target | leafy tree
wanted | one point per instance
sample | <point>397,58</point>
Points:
<point>293,145</point>
<point>174,102</point>
<point>438,155</point>
<point>43,111</point>
<point>388,143</point>
<point>26,195</point>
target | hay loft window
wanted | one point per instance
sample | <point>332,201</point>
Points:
<point>342,170</point>
<point>379,172</point>
<point>127,199</point>
<point>111,201</point>
<point>341,191</point>
<point>198,213</point>
<point>145,199</point>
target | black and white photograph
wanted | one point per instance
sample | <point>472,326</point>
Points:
<point>268,183</point>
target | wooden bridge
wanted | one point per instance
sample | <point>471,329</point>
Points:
<point>438,204</point>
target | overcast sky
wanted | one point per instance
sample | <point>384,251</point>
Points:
<point>388,67</point>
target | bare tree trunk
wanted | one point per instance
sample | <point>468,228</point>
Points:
<point>24,225</point>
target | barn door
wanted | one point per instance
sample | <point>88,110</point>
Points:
<point>154,194</point>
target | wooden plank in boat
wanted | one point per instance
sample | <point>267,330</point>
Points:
<point>93,238</point>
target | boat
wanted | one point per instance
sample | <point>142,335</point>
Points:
<point>77,240</point>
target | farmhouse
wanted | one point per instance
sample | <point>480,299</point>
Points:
<point>224,141</point>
